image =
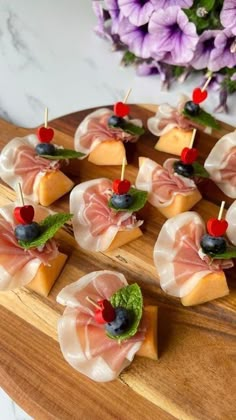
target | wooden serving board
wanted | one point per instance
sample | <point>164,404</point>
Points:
<point>195,375</point>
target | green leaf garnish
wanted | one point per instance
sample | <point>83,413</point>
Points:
<point>132,129</point>
<point>203,118</point>
<point>229,253</point>
<point>64,154</point>
<point>139,200</point>
<point>199,170</point>
<point>129,297</point>
<point>49,226</point>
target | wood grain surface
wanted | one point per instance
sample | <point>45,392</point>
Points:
<point>195,375</point>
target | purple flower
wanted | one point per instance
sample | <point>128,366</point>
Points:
<point>228,15</point>
<point>224,53</point>
<point>100,29</point>
<point>173,34</point>
<point>203,50</point>
<point>146,69</point>
<point>137,38</point>
<point>163,4</point>
<point>138,11</point>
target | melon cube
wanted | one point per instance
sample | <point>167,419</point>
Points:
<point>109,152</point>
<point>53,185</point>
<point>149,347</point>
<point>123,237</point>
<point>174,141</point>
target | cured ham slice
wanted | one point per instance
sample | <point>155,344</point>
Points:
<point>168,117</point>
<point>221,164</point>
<point>231,219</point>
<point>161,182</point>
<point>94,130</point>
<point>95,224</point>
<point>17,265</point>
<point>178,257</point>
<point>84,343</point>
<point>20,164</point>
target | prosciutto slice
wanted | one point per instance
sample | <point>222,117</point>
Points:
<point>18,266</point>
<point>94,129</point>
<point>168,117</point>
<point>162,183</point>
<point>221,164</point>
<point>95,224</point>
<point>20,164</point>
<point>178,257</point>
<point>231,219</point>
<point>84,343</point>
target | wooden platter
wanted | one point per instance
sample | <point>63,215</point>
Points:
<point>195,375</point>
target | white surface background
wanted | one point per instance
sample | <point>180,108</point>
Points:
<point>49,56</point>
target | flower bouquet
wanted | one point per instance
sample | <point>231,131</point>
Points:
<point>174,38</point>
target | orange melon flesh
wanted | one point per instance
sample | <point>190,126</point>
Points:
<point>210,287</point>
<point>174,141</point>
<point>149,347</point>
<point>53,185</point>
<point>109,152</point>
<point>47,275</point>
<point>180,204</point>
<point>123,237</point>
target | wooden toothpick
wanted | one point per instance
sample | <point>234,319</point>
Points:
<point>46,117</point>
<point>207,81</point>
<point>193,138</point>
<point>21,194</point>
<point>127,95</point>
<point>93,302</point>
<point>221,210</point>
<point>123,169</point>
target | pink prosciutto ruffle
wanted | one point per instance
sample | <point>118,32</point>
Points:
<point>84,343</point>
<point>17,265</point>
<point>178,258</point>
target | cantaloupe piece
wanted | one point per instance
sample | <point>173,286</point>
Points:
<point>174,141</point>
<point>180,204</point>
<point>210,287</point>
<point>47,275</point>
<point>109,152</point>
<point>123,237</point>
<point>149,347</point>
<point>53,185</point>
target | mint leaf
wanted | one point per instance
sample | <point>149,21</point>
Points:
<point>64,154</point>
<point>139,200</point>
<point>132,129</point>
<point>49,226</point>
<point>203,118</point>
<point>229,253</point>
<point>199,170</point>
<point>129,297</point>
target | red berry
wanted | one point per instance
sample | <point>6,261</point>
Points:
<point>216,227</point>
<point>106,313</point>
<point>199,95</point>
<point>188,155</point>
<point>45,135</point>
<point>121,109</point>
<point>24,214</point>
<point>121,187</point>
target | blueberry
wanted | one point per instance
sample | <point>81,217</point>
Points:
<point>213,244</point>
<point>122,201</point>
<point>27,232</point>
<point>192,108</point>
<point>115,121</point>
<point>183,169</point>
<point>45,149</point>
<point>121,322</point>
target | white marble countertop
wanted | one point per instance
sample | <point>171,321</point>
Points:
<point>51,57</point>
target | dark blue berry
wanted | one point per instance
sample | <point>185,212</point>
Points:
<point>192,108</point>
<point>213,244</point>
<point>27,232</point>
<point>121,322</point>
<point>183,169</point>
<point>122,201</point>
<point>115,121</point>
<point>45,149</point>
